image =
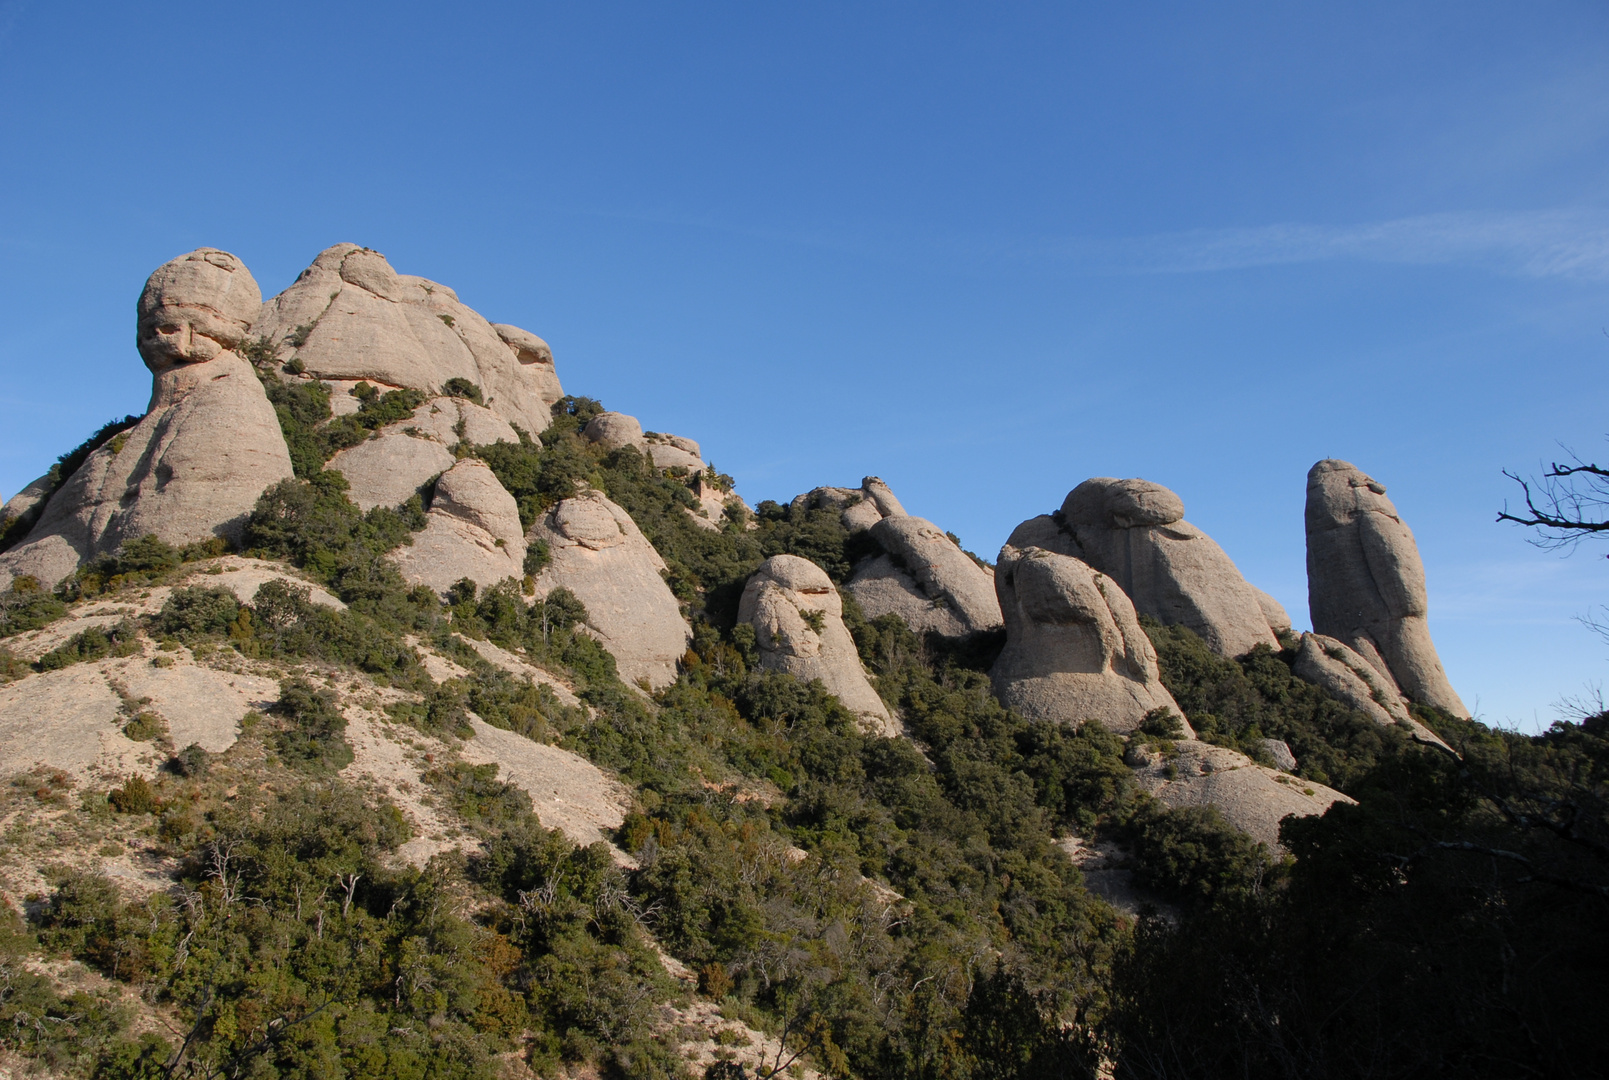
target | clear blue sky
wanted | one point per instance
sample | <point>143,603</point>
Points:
<point>984,251</point>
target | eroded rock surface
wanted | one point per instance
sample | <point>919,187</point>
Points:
<point>797,616</point>
<point>1366,583</point>
<point>616,430</point>
<point>597,552</point>
<point>472,531</point>
<point>925,579</point>
<point>861,507</point>
<point>208,445</point>
<point>402,458</point>
<point>1074,647</point>
<point>1251,797</point>
<point>351,316</point>
<point>1134,532</point>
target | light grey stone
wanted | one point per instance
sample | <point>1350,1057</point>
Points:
<point>1278,620</point>
<point>860,508</point>
<point>1280,751</point>
<point>1251,797</point>
<point>1074,648</point>
<point>365,321</point>
<point>614,430</point>
<point>1134,531</point>
<point>781,601</point>
<point>598,553</point>
<point>1366,583</point>
<point>207,448</point>
<point>926,580</point>
<point>472,531</point>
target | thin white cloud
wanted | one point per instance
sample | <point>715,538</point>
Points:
<point>1553,243</point>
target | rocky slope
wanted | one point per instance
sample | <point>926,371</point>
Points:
<point>476,571</point>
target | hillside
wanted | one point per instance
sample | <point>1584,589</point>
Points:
<point>372,707</point>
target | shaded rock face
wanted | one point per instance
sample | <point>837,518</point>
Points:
<point>1366,583</point>
<point>861,507</point>
<point>925,579</point>
<point>797,616</point>
<point>1251,797</point>
<point>351,316</point>
<point>1074,648</point>
<point>1134,532</point>
<point>208,445</point>
<point>401,458</point>
<point>472,531</point>
<point>597,552</point>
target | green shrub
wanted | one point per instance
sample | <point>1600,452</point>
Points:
<point>146,727</point>
<point>460,387</point>
<point>311,734</point>
<point>25,606</point>
<point>195,612</point>
<point>136,796</point>
<point>94,643</point>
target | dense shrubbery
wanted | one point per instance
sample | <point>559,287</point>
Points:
<point>25,606</point>
<point>1236,702</point>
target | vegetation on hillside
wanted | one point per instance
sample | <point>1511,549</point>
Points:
<point>889,907</point>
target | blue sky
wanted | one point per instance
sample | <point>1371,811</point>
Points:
<point>984,251</point>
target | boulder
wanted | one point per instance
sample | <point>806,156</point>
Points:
<point>472,531</point>
<point>402,458</point>
<point>1330,665</point>
<point>616,430</point>
<point>861,507</point>
<point>22,510</point>
<point>351,316</point>
<point>673,452</point>
<point>1366,583</point>
<point>1074,648</point>
<point>209,443</point>
<point>1251,797</point>
<point>1280,751</point>
<point>797,616</point>
<point>1134,531</point>
<point>925,579</point>
<point>1278,620</point>
<point>597,552</point>
<point>613,430</point>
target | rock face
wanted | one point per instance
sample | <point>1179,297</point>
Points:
<point>401,458</point>
<point>351,316</point>
<point>472,531</point>
<point>861,507</point>
<point>1251,797</point>
<point>597,552</point>
<point>615,430</point>
<point>1366,583</point>
<point>1134,532</point>
<point>927,580</point>
<point>208,445</point>
<point>797,617</point>
<point>1074,648</point>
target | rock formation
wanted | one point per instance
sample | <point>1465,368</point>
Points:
<point>351,316</point>
<point>615,430</point>
<point>1366,584</point>
<point>472,531</point>
<point>401,458</point>
<point>597,552</point>
<point>1074,648</point>
<point>861,507</point>
<point>1251,797</point>
<point>1134,532</point>
<point>797,616</point>
<point>926,579</point>
<point>208,445</point>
